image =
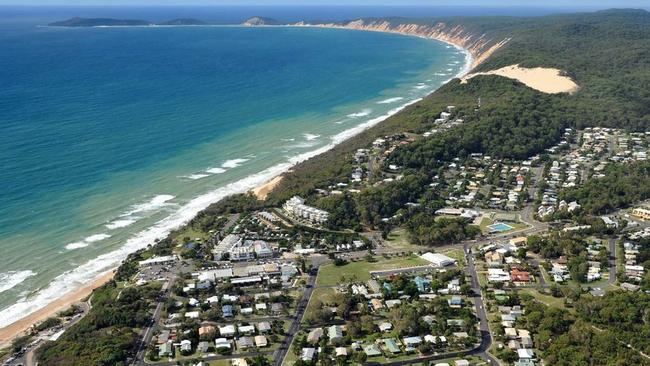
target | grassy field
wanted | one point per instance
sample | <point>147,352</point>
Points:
<point>324,295</point>
<point>456,254</point>
<point>548,300</point>
<point>331,275</point>
<point>398,239</point>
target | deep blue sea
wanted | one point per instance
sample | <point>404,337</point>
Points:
<point>110,137</point>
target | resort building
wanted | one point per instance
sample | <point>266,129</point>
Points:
<point>297,208</point>
<point>642,213</point>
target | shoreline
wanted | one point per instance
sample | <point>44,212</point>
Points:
<point>261,184</point>
<point>22,325</point>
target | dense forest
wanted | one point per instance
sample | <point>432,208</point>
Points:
<point>597,335</point>
<point>621,186</point>
<point>105,336</point>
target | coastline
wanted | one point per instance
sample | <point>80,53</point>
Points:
<point>260,183</point>
<point>24,324</point>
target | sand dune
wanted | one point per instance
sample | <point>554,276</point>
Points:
<point>546,80</point>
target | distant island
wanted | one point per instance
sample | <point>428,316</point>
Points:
<point>110,22</point>
<point>261,21</point>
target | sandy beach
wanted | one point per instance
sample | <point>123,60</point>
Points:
<point>262,191</point>
<point>19,327</point>
<point>546,80</point>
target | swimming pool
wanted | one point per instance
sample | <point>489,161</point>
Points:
<point>499,227</point>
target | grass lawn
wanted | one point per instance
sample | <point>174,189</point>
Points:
<point>191,233</point>
<point>457,254</point>
<point>548,300</point>
<point>324,295</point>
<point>398,239</point>
<point>331,275</point>
<point>485,222</point>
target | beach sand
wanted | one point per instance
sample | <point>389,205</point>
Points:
<point>262,191</point>
<point>546,80</point>
<point>19,327</point>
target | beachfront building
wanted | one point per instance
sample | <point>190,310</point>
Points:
<point>297,208</point>
<point>225,245</point>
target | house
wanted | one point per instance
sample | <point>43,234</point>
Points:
<point>391,346</point>
<point>455,301</point>
<point>203,346</point>
<point>221,343</point>
<point>461,363</point>
<point>260,306</point>
<point>308,354</point>
<point>227,330</point>
<point>510,333</point>
<point>341,351</point>
<point>246,311</point>
<point>315,335</point>
<point>239,362</point>
<point>163,337</point>
<point>385,326</point>
<point>246,329</point>
<point>371,350</point>
<point>519,276</point>
<point>244,343</point>
<point>166,349</point>
<point>277,308</point>
<point>263,327</point>
<point>335,333</point>
<point>186,345</point>
<point>455,322</point>
<point>207,329</point>
<point>393,303</point>
<point>227,311</point>
<point>260,341</point>
<point>376,304</point>
<point>525,354</point>
<point>412,341</point>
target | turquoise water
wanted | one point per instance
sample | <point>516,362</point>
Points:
<point>110,137</point>
<point>499,227</point>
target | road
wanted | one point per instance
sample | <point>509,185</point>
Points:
<point>148,330</point>
<point>612,261</point>
<point>281,353</point>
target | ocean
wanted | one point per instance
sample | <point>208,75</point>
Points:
<point>111,137</point>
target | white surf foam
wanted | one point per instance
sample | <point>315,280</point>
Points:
<point>120,223</point>
<point>216,170</point>
<point>390,100</point>
<point>76,245</point>
<point>155,203</point>
<point>310,136</point>
<point>196,176</point>
<point>233,163</point>
<point>87,241</point>
<point>11,279</point>
<point>96,237</point>
<point>363,113</point>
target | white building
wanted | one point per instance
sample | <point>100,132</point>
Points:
<point>438,260</point>
<point>296,207</point>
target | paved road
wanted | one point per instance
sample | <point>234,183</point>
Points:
<point>612,261</point>
<point>148,330</point>
<point>281,353</point>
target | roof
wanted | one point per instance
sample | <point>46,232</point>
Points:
<point>438,259</point>
<point>371,350</point>
<point>391,344</point>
